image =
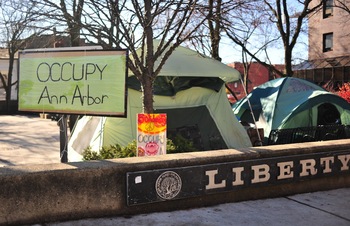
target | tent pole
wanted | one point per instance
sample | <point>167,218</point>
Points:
<point>231,91</point>
<point>251,111</point>
<point>63,138</point>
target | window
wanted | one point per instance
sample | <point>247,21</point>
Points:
<point>327,42</point>
<point>327,8</point>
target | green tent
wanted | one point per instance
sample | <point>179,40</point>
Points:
<point>286,103</point>
<point>184,62</point>
<point>195,103</point>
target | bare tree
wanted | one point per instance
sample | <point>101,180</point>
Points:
<point>131,25</point>
<point>342,4</point>
<point>135,25</point>
<point>17,22</point>
<point>208,36</point>
<point>235,18</point>
<point>63,13</point>
<point>249,31</point>
<point>280,20</point>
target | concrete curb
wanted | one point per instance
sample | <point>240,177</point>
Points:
<point>58,192</point>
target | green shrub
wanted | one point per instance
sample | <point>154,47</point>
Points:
<point>179,145</point>
<point>89,154</point>
<point>170,146</point>
<point>129,150</point>
<point>110,152</point>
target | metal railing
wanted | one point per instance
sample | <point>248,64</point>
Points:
<point>308,134</point>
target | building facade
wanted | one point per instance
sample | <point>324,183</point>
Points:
<point>329,45</point>
<point>257,75</point>
<point>329,36</point>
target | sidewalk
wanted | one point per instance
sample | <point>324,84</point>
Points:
<point>32,140</point>
<point>329,208</point>
<point>28,139</point>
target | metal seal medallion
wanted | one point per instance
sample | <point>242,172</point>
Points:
<point>168,185</point>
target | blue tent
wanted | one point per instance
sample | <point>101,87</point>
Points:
<point>286,103</point>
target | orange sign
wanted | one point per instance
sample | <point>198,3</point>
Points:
<point>151,134</point>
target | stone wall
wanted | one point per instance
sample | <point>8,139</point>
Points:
<point>56,192</point>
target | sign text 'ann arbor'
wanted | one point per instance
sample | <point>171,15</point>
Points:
<point>66,72</point>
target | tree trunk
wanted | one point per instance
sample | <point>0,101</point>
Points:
<point>214,21</point>
<point>75,35</point>
<point>3,81</point>
<point>148,74</point>
<point>147,90</point>
<point>9,79</point>
<point>288,62</point>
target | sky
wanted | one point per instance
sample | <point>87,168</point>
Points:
<point>230,54</point>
